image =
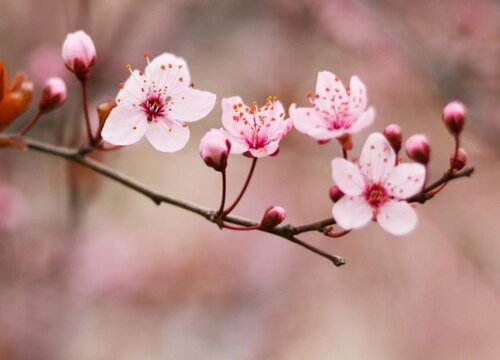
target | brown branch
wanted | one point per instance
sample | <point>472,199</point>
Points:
<point>79,156</point>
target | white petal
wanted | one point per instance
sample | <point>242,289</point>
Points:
<point>357,98</point>
<point>191,105</point>
<point>405,180</point>
<point>167,136</point>
<point>232,108</point>
<point>364,120</point>
<point>170,71</point>
<point>267,150</point>
<point>238,145</point>
<point>330,90</point>
<point>377,158</point>
<point>397,217</point>
<point>131,92</point>
<point>352,212</point>
<point>124,126</point>
<point>305,120</point>
<point>347,177</point>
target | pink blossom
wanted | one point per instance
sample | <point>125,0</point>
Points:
<point>254,130</point>
<point>336,111</point>
<point>53,95</point>
<point>214,149</point>
<point>157,103</point>
<point>273,216</point>
<point>375,188</point>
<point>79,53</point>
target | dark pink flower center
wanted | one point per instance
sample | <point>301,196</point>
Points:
<point>376,195</point>
<point>154,107</point>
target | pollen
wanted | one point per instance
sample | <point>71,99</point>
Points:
<point>181,79</point>
<point>163,67</point>
<point>121,85</point>
<point>146,55</point>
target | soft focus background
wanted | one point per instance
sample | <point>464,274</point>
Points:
<point>91,270</point>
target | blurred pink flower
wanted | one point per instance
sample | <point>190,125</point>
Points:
<point>375,188</point>
<point>157,103</point>
<point>44,62</point>
<point>54,94</point>
<point>335,111</point>
<point>254,130</point>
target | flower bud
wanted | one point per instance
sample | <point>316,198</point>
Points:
<point>273,216</point>
<point>454,117</point>
<point>79,54</point>
<point>458,162</point>
<point>335,193</point>
<point>214,149</point>
<point>394,135</point>
<point>346,141</point>
<point>104,109</point>
<point>53,95</point>
<point>418,149</point>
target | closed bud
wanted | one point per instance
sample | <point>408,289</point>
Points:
<point>418,149</point>
<point>53,94</point>
<point>273,216</point>
<point>346,141</point>
<point>454,117</point>
<point>79,54</point>
<point>394,135</point>
<point>214,149</point>
<point>335,193</point>
<point>458,160</point>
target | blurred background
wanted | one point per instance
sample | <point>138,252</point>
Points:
<point>91,270</point>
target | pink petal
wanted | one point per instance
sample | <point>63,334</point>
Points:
<point>397,217</point>
<point>357,99</point>
<point>267,150</point>
<point>330,90</point>
<point>124,126</point>
<point>405,180</point>
<point>278,127</point>
<point>377,158</point>
<point>238,145</point>
<point>352,212</point>
<point>131,92</point>
<point>305,120</point>
<point>231,108</point>
<point>364,120</point>
<point>170,71</point>
<point>347,177</point>
<point>191,105</point>
<point>167,135</point>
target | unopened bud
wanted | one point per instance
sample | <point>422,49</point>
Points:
<point>458,160</point>
<point>79,54</point>
<point>273,216</point>
<point>104,109</point>
<point>454,117</point>
<point>53,94</point>
<point>335,193</point>
<point>214,149</point>
<point>418,149</point>
<point>346,141</point>
<point>394,135</point>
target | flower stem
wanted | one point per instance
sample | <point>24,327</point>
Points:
<point>31,123</point>
<point>254,227</point>
<point>242,192</point>
<point>344,152</point>
<point>86,112</point>
<point>223,198</point>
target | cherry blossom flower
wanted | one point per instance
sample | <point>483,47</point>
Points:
<point>375,188</point>
<point>79,54</point>
<point>255,131</point>
<point>336,111</point>
<point>157,103</point>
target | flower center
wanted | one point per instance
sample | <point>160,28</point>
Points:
<point>154,107</point>
<point>376,195</point>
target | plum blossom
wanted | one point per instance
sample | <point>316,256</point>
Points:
<point>336,111</point>
<point>255,131</point>
<point>157,103</point>
<point>375,188</point>
<point>79,53</point>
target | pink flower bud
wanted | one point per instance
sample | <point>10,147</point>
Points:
<point>460,161</point>
<point>454,117</point>
<point>394,135</point>
<point>273,216</point>
<point>335,193</point>
<point>79,54</point>
<point>418,149</point>
<point>214,149</point>
<point>53,95</point>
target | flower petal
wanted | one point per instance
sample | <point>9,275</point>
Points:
<point>397,217</point>
<point>347,177</point>
<point>304,119</point>
<point>357,96</point>
<point>405,180</point>
<point>234,114</point>
<point>364,120</point>
<point>131,92</point>
<point>238,145</point>
<point>191,105</point>
<point>170,71</point>
<point>330,91</point>
<point>267,150</point>
<point>167,135</point>
<point>352,212</point>
<point>124,126</point>
<point>377,158</point>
